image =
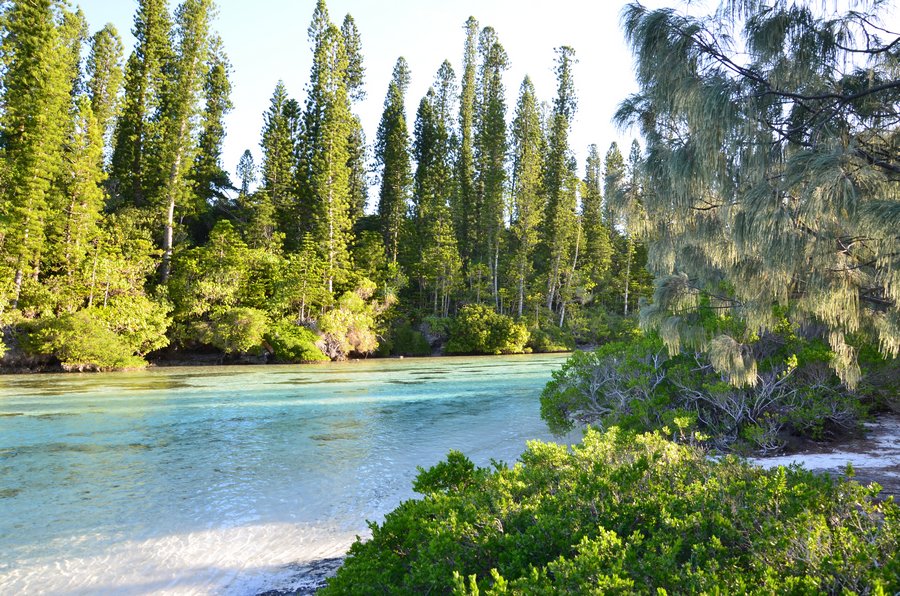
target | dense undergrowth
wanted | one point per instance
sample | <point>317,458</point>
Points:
<point>628,513</point>
<point>795,394</point>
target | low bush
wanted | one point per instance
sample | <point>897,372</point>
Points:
<point>82,342</point>
<point>626,513</point>
<point>294,344</point>
<point>552,339</point>
<point>406,341</point>
<point>236,330</point>
<point>352,327</point>
<point>479,330</point>
<point>636,385</point>
<point>110,337</point>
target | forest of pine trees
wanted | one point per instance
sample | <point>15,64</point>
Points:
<point>123,234</point>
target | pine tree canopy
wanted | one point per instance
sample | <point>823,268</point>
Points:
<point>773,174</point>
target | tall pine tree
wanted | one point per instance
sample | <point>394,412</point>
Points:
<point>597,242</point>
<point>392,154</point>
<point>560,181</point>
<point>36,95</point>
<point>177,114</point>
<point>527,196</point>
<point>278,160</point>
<point>325,155</point>
<point>464,200</point>
<point>490,157</point>
<point>210,180</point>
<point>439,264</point>
<point>132,160</point>
<point>105,76</point>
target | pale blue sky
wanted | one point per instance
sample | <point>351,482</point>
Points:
<point>266,41</point>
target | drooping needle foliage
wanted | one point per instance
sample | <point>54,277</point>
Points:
<point>773,174</point>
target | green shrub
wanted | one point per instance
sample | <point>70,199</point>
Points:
<point>617,384</point>
<point>479,330</point>
<point>236,330</point>
<point>294,344</point>
<point>139,321</point>
<point>550,340</point>
<point>110,337</point>
<point>351,327</point>
<point>407,341</point>
<point>635,385</point>
<point>82,342</point>
<point>625,513</point>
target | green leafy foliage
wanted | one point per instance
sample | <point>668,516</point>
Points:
<point>637,386</point>
<point>351,326</point>
<point>239,330</point>
<point>292,343</point>
<point>139,321</point>
<point>626,513</point>
<point>406,341</point>
<point>94,339</point>
<point>550,339</point>
<point>479,330</point>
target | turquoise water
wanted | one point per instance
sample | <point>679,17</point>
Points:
<point>215,480</point>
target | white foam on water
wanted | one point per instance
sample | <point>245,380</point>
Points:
<point>239,561</point>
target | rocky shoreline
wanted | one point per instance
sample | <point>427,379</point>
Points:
<point>308,578</point>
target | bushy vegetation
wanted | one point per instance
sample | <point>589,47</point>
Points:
<point>636,385</point>
<point>478,329</point>
<point>404,340</point>
<point>237,330</point>
<point>110,337</point>
<point>551,339</point>
<point>626,513</point>
<point>292,343</point>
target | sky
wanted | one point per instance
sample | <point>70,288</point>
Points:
<point>266,41</point>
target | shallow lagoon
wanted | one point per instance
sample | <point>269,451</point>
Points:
<point>222,480</point>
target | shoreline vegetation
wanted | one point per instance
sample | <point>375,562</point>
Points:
<point>738,270</point>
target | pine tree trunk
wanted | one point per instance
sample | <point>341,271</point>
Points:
<point>93,275</point>
<point>17,285</point>
<point>629,249</point>
<point>497,304</point>
<point>174,174</point>
<point>521,288</point>
<point>67,257</point>
<point>553,283</point>
<point>562,314</point>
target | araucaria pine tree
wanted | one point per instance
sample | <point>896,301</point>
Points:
<point>527,192</point>
<point>490,159</point>
<point>105,76</point>
<point>176,115</point>
<point>358,162</point>
<point>210,180</point>
<point>560,185</point>
<point>276,194</point>
<point>133,161</point>
<point>598,248</point>
<point>392,154</point>
<point>325,156</point>
<point>439,264</point>
<point>35,118</point>
<point>464,199</point>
